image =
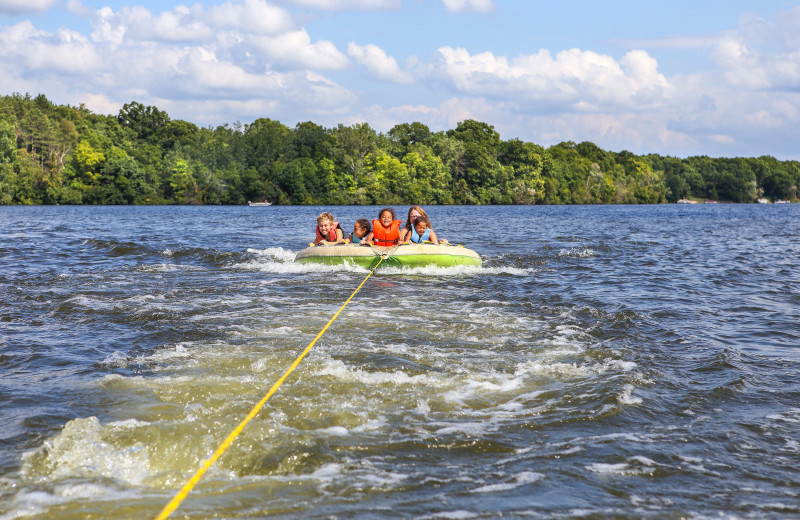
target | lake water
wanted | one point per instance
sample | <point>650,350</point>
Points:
<point>605,361</point>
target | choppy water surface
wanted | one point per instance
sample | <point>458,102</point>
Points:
<point>627,362</point>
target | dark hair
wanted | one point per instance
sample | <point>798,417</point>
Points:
<point>364,224</point>
<point>390,210</point>
<point>422,218</point>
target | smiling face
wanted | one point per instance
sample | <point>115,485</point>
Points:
<point>359,231</point>
<point>413,214</point>
<point>386,218</point>
<point>325,227</point>
<point>420,226</point>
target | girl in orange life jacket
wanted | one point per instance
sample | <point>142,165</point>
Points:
<point>385,229</point>
<point>328,230</point>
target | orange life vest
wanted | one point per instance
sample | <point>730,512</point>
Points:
<point>334,227</point>
<point>386,236</point>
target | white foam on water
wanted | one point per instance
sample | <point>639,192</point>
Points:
<point>126,424</point>
<point>166,354</point>
<point>281,331</point>
<point>779,506</point>
<point>792,415</point>
<point>364,475</point>
<point>474,429</point>
<point>80,451</point>
<point>90,303</point>
<point>458,270</point>
<point>36,503</point>
<point>343,372</point>
<point>261,365</point>
<point>526,477</point>
<point>627,436</point>
<point>372,425</point>
<point>277,253</point>
<point>270,266</point>
<point>29,503</point>
<point>577,252</point>
<point>277,260</point>
<point>609,469</point>
<point>626,396</point>
<point>116,359</point>
<point>451,515</point>
<point>168,268</point>
<point>560,370</point>
<point>145,298</point>
<point>333,431</point>
<point>644,460</point>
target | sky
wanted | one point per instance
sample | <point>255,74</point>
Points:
<point>679,78</point>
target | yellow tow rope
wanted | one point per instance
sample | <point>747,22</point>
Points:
<point>173,504</point>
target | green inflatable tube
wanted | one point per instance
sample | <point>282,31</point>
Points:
<point>405,255</point>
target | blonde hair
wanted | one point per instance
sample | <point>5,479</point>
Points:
<point>324,216</point>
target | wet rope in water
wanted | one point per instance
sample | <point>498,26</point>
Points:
<point>173,504</point>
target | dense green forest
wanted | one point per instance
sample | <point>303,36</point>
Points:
<point>54,154</point>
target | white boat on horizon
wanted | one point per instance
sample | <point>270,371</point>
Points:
<point>265,203</point>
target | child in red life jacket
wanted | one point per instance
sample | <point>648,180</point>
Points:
<point>361,229</point>
<point>328,230</point>
<point>385,229</point>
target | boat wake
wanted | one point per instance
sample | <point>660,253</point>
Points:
<point>279,260</point>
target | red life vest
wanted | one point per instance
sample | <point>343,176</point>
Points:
<point>386,236</point>
<point>334,227</point>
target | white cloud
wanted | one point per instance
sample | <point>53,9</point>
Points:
<point>187,24</point>
<point>137,24</point>
<point>294,50</point>
<point>42,53</point>
<point>467,6</point>
<point>17,7</point>
<point>250,16</point>
<point>340,5</point>
<point>573,80</point>
<point>762,55</point>
<point>378,63</point>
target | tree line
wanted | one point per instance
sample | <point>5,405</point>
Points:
<point>57,154</point>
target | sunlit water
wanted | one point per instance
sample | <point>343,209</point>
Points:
<point>624,361</point>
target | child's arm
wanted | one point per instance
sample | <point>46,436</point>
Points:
<point>432,238</point>
<point>403,233</point>
<point>369,239</point>
<point>339,236</point>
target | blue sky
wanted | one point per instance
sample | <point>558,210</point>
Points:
<point>719,78</point>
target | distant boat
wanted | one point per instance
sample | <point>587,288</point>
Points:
<point>782,202</point>
<point>764,201</point>
<point>265,203</point>
<point>686,201</point>
<point>709,201</point>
